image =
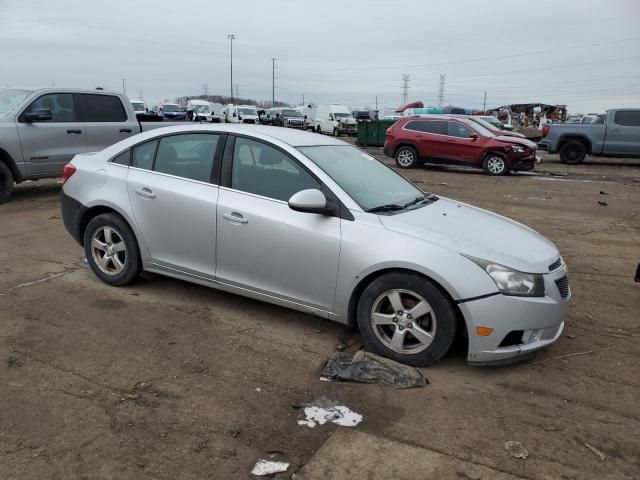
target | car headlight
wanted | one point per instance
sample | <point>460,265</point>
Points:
<point>510,281</point>
<point>518,149</point>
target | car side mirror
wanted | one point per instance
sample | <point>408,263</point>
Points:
<point>39,114</point>
<point>473,136</point>
<point>309,201</point>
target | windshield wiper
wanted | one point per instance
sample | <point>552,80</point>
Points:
<point>390,207</point>
<point>415,200</point>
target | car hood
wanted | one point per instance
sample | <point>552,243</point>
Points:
<point>517,140</point>
<point>476,232</point>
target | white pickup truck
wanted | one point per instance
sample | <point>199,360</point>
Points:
<point>41,130</point>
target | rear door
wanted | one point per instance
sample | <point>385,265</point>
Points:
<point>173,191</point>
<point>105,120</point>
<point>429,136</point>
<point>47,145</point>
<point>623,133</point>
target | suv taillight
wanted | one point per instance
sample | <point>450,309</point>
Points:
<point>67,171</point>
<point>545,130</point>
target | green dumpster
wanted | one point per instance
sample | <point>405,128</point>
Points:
<point>372,133</point>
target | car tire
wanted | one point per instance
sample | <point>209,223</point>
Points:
<point>495,164</point>
<point>336,132</point>
<point>407,157</point>
<point>112,250</point>
<point>407,318</point>
<point>573,152</point>
<point>6,182</point>
<point>318,129</point>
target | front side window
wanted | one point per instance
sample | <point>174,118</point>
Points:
<point>102,108</point>
<point>61,106</point>
<point>266,171</point>
<point>458,130</point>
<point>188,155</point>
<point>143,155</point>
<point>627,119</point>
<point>369,182</point>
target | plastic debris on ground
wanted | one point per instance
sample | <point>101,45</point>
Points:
<point>516,450</point>
<point>267,467</point>
<point>323,410</point>
<point>367,367</point>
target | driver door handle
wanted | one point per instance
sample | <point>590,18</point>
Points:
<point>235,217</point>
<point>125,130</point>
<point>74,131</point>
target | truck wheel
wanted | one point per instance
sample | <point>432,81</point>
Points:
<point>573,152</point>
<point>495,164</point>
<point>336,132</point>
<point>318,129</point>
<point>6,182</point>
<point>406,157</point>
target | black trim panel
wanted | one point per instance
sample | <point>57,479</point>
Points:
<point>480,297</point>
<point>72,211</point>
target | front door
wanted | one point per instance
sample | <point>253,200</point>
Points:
<point>47,145</point>
<point>460,147</point>
<point>265,246</point>
<point>105,120</point>
<point>173,197</point>
<point>623,133</point>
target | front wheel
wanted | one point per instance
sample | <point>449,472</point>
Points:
<point>6,182</point>
<point>406,157</point>
<point>112,250</point>
<point>573,152</point>
<point>336,132</point>
<point>407,318</point>
<point>495,164</point>
<point>318,129</point>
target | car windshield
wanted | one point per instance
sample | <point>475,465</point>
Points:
<point>486,123</point>
<point>170,107</point>
<point>291,113</point>
<point>485,132</point>
<point>11,98</point>
<point>342,115</point>
<point>492,120</point>
<point>247,111</point>
<point>201,108</point>
<point>138,106</point>
<point>368,181</point>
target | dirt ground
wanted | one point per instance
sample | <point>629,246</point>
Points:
<point>168,380</point>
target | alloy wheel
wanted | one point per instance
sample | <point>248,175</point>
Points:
<point>403,321</point>
<point>496,165</point>
<point>109,250</point>
<point>405,158</point>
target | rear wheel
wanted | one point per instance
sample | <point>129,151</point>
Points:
<point>112,250</point>
<point>407,318</point>
<point>495,164</point>
<point>318,129</point>
<point>6,182</point>
<point>573,152</point>
<point>406,157</point>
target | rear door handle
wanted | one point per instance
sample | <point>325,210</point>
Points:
<point>74,131</point>
<point>145,192</point>
<point>235,217</point>
<point>125,130</point>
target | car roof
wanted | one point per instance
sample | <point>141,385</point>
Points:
<point>290,136</point>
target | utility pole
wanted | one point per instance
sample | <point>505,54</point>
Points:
<point>273,82</point>
<point>231,37</point>
<point>140,95</point>
<point>405,88</point>
<point>205,89</point>
<point>124,89</point>
<point>484,105</point>
<point>237,85</point>
<point>303,99</point>
<point>441,90</point>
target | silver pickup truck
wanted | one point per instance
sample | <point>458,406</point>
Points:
<point>41,130</point>
<point>617,134</point>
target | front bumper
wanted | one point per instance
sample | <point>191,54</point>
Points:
<point>540,319</point>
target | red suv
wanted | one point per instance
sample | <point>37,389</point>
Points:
<point>452,140</point>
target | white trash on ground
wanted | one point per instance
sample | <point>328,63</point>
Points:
<point>339,415</point>
<point>267,467</point>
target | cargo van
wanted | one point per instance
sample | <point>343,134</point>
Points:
<point>241,114</point>
<point>139,107</point>
<point>333,119</point>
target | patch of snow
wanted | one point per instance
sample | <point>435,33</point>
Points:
<point>339,415</point>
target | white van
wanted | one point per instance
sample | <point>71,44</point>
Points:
<point>333,119</point>
<point>241,114</point>
<point>139,106</point>
<point>201,108</point>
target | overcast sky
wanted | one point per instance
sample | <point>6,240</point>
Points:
<point>583,53</point>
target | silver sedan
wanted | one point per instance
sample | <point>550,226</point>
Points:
<point>314,224</point>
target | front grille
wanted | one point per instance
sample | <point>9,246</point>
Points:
<point>563,286</point>
<point>555,265</point>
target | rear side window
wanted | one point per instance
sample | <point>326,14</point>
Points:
<point>188,156</point>
<point>627,119</point>
<point>102,108</point>
<point>458,130</point>
<point>123,158</point>
<point>61,105</point>
<point>427,126</point>
<point>143,155</point>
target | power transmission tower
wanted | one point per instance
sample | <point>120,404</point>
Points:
<point>205,89</point>
<point>237,89</point>
<point>273,82</point>
<point>141,95</point>
<point>405,88</point>
<point>441,90</point>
